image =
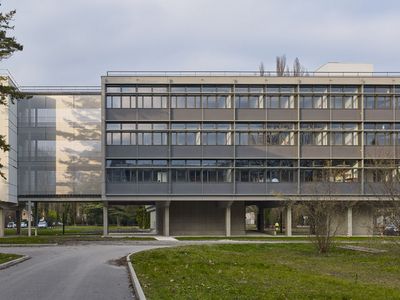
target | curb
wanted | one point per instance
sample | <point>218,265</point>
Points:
<point>14,262</point>
<point>27,245</point>
<point>135,281</point>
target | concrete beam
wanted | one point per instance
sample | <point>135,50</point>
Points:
<point>288,220</point>
<point>350,221</point>
<point>105,218</point>
<point>2,221</point>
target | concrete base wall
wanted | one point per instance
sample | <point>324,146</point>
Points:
<point>201,218</point>
<point>339,222</point>
<point>362,220</point>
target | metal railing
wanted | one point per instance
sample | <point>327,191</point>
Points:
<point>250,74</point>
<point>66,88</point>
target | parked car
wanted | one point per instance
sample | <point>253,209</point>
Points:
<point>11,225</point>
<point>24,224</point>
<point>391,230</point>
<point>42,224</point>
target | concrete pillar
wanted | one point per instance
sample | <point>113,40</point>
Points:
<point>228,216</point>
<point>349,221</point>
<point>105,218</point>
<point>2,221</point>
<point>261,219</point>
<point>153,224</point>
<point>166,218</point>
<point>289,220</point>
<point>29,218</point>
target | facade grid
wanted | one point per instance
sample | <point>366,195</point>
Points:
<point>263,141</point>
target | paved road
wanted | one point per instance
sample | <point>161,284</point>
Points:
<point>87,271</point>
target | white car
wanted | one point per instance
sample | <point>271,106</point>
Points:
<point>11,225</point>
<point>24,224</point>
<point>42,224</point>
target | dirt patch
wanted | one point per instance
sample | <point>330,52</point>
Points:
<point>363,249</point>
<point>119,262</point>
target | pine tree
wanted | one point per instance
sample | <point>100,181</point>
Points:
<point>8,45</point>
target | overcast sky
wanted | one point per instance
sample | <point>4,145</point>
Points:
<point>74,42</point>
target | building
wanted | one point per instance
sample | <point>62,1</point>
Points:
<point>200,146</point>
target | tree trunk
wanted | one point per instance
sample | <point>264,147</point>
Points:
<point>36,214</point>
<point>63,222</point>
<point>18,219</point>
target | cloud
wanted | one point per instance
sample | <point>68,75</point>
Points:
<point>75,42</point>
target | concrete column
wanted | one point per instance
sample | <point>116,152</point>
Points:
<point>289,220</point>
<point>105,218</point>
<point>153,224</point>
<point>228,219</point>
<point>261,219</point>
<point>166,218</point>
<point>29,218</point>
<point>2,221</point>
<point>350,221</point>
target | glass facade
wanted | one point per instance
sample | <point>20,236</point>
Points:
<point>59,145</point>
<point>261,135</point>
<point>208,139</point>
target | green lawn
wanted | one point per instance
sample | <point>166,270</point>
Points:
<point>284,238</point>
<point>72,230</point>
<point>5,257</point>
<point>53,239</point>
<point>267,271</point>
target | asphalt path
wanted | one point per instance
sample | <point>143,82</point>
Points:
<point>88,271</point>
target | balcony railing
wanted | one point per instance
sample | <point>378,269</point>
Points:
<point>60,89</point>
<point>247,74</point>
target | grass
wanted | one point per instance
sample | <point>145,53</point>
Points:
<point>5,257</point>
<point>240,238</point>
<point>72,230</point>
<point>267,271</point>
<point>54,235</point>
<point>280,238</point>
<point>53,239</point>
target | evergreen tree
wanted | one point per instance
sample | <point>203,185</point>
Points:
<point>8,45</point>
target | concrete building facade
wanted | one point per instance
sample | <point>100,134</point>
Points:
<point>202,146</point>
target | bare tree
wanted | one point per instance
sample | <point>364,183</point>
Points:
<point>298,68</point>
<point>324,208</point>
<point>383,180</point>
<point>261,69</point>
<point>281,67</point>
<point>322,218</point>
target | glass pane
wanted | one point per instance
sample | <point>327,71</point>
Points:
<point>126,102</point>
<point>126,138</point>
<point>116,102</point>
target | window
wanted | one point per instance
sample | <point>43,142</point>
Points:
<point>126,102</point>
<point>249,101</point>
<point>113,126</point>
<point>314,134</point>
<point>341,134</point>
<point>279,101</point>
<point>317,102</point>
<point>126,138</point>
<point>280,175</point>
<point>378,97</point>
<point>116,102</point>
<point>113,89</point>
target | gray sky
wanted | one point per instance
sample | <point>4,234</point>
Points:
<point>74,42</point>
